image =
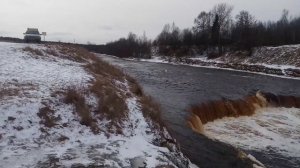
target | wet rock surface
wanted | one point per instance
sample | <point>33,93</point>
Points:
<point>177,87</point>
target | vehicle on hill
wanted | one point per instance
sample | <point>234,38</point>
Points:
<point>32,35</point>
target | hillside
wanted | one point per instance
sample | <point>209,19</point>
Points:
<point>61,106</point>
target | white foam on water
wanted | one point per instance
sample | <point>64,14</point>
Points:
<point>270,129</point>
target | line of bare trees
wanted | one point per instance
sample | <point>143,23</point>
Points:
<point>214,32</point>
<point>132,46</point>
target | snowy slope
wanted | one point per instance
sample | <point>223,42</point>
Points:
<point>28,83</point>
<point>288,55</point>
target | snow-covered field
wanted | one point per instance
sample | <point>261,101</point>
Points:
<point>28,84</point>
<point>270,129</point>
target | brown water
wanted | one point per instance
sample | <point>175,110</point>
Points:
<point>177,87</point>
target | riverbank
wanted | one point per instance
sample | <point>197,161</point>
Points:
<point>273,70</point>
<point>282,61</point>
<point>62,106</point>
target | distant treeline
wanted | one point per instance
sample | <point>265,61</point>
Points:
<point>214,32</point>
<point>132,46</point>
<point>11,39</point>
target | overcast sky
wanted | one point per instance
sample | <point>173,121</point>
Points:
<point>100,21</point>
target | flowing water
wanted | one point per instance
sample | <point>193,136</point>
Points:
<point>177,87</point>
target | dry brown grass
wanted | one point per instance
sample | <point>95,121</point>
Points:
<point>47,117</point>
<point>72,96</point>
<point>51,51</point>
<point>66,51</point>
<point>151,110</point>
<point>104,87</point>
<point>33,51</point>
<point>105,70</point>
<point>7,92</point>
<point>111,102</point>
<point>13,89</point>
<point>135,87</point>
<point>94,64</point>
<point>111,96</point>
<point>73,52</point>
<point>113,105</point>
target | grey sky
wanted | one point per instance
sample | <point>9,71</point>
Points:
<point>100,21</point>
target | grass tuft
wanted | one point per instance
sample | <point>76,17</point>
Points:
<point>72,96</point>
<point>151,110</point>
<point>7,92</point>
<point>47,117</point>
<point>135,87</point>
<point>33,51</point>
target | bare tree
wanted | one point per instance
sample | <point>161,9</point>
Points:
<point>245,19</point>
<point>285,17</point>
<point>187,37</point>
<point>203,22</point>
<point>223,11</point>
<point>244,30</point>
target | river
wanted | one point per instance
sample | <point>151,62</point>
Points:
<point>177,87</point>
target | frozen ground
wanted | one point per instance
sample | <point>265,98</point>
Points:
<point>269,130</point>
<point>29,83</point>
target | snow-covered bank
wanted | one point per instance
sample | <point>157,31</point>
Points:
<point>282,61</point>
<point>287,55</point>
<point>283,71</point>
<point>38,129</point>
